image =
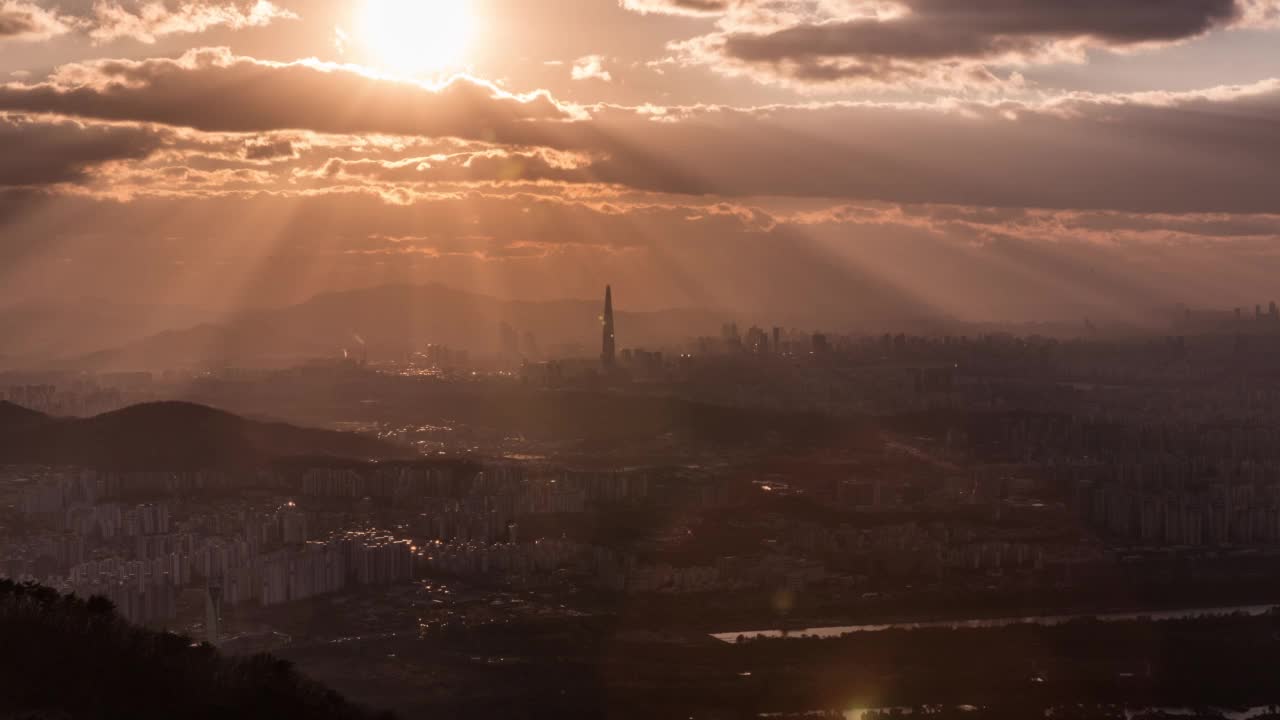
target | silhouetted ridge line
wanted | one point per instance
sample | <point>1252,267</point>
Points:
<point>65,657</point>
<point>176,436</point>
<point>15,417</point>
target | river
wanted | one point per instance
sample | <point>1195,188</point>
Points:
<point>986,623</point>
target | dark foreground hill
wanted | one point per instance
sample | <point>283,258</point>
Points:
<point>64,657</point>
<point>15,417</point>
<point>170,436</point>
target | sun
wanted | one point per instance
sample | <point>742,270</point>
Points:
<point>417,36</point>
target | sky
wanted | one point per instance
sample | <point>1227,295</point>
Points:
<point>1002,160</point>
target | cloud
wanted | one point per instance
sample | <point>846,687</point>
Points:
<point>213,90</point>
<point>697,8</point>
<point>489,166</point>
<point>941,43</point>
<point>1209,151</point>
<point>590,67</point>
<point>270,149</point>
<point>1204,151</point>
<point>44,152</point>
<point>146,21</point>
<point>26,21</point>
<point>986,225</point>
<point>1261,13</point>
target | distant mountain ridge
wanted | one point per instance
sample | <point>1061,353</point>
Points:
<point>170,436</point>
<point>391,320</point>
<point>35,332</point>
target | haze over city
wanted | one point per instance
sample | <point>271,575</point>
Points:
<point>705,359</point>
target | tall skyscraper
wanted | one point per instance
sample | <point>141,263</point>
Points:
<point>213,614</point>
<point>608,351</point>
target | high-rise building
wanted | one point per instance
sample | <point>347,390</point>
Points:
<point>529,345</point>
<point>608,350</point>
<point>821,346</point>
<point>213,614</point>
<point>509,341</point>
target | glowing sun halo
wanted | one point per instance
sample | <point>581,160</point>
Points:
<point>417,36</point>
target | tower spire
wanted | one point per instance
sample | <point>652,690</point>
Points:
<point>608,349</point>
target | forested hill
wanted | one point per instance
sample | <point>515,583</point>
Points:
<point>65,657</point>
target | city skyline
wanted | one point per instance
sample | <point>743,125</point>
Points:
<point>765,500</point>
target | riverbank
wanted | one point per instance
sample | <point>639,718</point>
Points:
<point>993,623</point>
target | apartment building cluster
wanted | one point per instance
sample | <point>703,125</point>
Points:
<point>617,571</point>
